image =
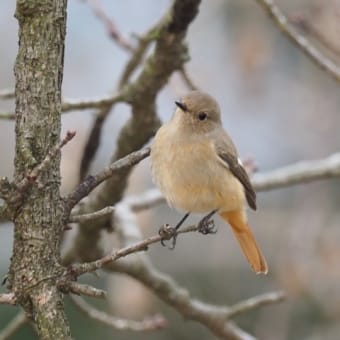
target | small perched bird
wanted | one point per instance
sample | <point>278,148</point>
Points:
<point>196,167</point>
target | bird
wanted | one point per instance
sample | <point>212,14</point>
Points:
<point>195,164</point>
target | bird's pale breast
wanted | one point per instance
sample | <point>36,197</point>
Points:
<point>191,176</point>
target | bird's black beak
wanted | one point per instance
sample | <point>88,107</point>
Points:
<point>181,105</point>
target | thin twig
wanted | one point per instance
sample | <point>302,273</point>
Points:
<point>152,323</point>
<point>91,216</point>
<point>7,115</point>
<point>110,26</point>
<point>92,182</point>
<point>93,103</point>
<point>301,172</point>
<point>80,269</point>
<point>187,79</point>
<point>255,302</point>
<point>136,58</point>
<point>320,35</point>
<point>304,44</point>
<point>8,298</point>
<point>13,326</point>
<point>69,105</point>
<point>83,289</point>
<point>7,94</point>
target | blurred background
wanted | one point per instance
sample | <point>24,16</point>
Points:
<point>278,106</point>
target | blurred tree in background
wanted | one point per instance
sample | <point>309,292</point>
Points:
<point>276,78</point>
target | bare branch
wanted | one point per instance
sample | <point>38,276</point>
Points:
<point>91,216</point>
<point>7,115</point>
<point>82,289</point>
<point>149,324</point>
<point>137,57</point>
<point>93,181</point>
<point>143,201</point>
<point>80,269</point>
<point>93,103</point>
<point>255,302</point>
<point>8,298</point>
<point>7,94</point>
<point>187,79</point>
<point>110,26</point>
<point>304,44</point>
<point>301,172</point>
<point>13,326</point>
<point>307,26</point>
<point>80,104</point>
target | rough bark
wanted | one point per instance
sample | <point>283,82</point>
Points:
<point>38,222</point>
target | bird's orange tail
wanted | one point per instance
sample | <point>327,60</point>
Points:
<point>246,240</point>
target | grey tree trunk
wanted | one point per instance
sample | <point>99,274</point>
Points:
<point>38,222</point>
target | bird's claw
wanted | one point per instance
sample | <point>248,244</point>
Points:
<point>167,232</point>
<point>207,226</point>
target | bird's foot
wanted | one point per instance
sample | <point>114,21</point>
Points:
<point>207,226</point>
<point>167,233</point>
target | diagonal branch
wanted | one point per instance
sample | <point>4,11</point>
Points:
<point>152,323</point>
<point>87,267</point>
<point>13,326</point>
<point>110,25</point>
<point>92,182</point>
<point>8,298</point>
<point>304,44</point>
<point>255,302</point>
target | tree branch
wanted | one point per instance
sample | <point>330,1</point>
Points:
<point>8,298</point>
<point>92,182</point>
<point>93,103</point>
<point>13,326</point>
<point>304,44</point>
<point>80,104</point>
<point>7,94</point>
<point>110,26</point>
<point>187,79</point>
<point>152,323</point>
<point>255,302</point>
<point>87,267</point>
<point>91,216</point>
<point>301,172</point>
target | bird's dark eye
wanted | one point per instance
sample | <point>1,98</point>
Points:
<point>202,116</point>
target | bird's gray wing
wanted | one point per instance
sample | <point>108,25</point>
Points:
<point>226,151</point>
